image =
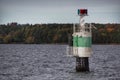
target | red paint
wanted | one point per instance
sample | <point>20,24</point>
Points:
<point>83,11</point>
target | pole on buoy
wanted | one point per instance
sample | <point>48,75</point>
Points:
<point>82,42</point>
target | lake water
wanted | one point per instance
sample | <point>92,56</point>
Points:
<point>49,62</point>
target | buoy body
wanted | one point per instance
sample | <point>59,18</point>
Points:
<point>82,41</point>
<point>82,44</point>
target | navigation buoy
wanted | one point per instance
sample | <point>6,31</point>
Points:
<point>82,41</point>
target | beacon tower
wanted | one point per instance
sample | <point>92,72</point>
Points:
<point>81,42</point>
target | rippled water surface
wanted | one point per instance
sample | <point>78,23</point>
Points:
<point>49,62</point>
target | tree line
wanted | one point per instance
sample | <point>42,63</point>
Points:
<point>55,33</point>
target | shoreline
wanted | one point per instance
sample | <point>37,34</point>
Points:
<point>60,43</point>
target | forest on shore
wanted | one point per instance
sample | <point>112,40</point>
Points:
<point>55,33</point>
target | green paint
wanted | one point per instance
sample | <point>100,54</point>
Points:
<point>82,41</point>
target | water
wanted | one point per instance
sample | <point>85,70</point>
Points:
<point>49,62</point>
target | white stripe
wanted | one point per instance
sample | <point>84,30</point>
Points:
<point>83,34</point>
<point>82,52</point>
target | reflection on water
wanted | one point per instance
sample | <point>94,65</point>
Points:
<point>49,62</point>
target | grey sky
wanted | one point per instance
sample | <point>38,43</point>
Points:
<point>58,11</point>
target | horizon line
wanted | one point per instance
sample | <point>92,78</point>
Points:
<point>54,23</point>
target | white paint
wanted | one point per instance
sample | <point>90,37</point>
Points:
<point>82,51</point>
<point>83,34</point>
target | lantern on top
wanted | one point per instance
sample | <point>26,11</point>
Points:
<point>82,12</point>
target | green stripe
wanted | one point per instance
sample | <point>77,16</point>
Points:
<point>82,41</point>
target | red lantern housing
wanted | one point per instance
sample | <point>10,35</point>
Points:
<point>82,12</point>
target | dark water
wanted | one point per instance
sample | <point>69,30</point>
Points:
<point>49,62</point>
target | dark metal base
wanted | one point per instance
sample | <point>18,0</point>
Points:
<point>82,64</point>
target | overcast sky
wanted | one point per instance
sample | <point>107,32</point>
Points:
<point>58,11</point>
